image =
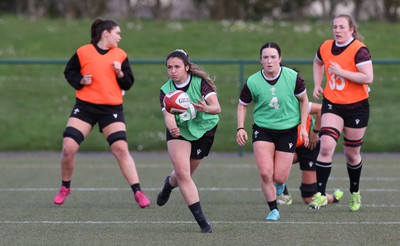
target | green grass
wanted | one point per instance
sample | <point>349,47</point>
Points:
<point>36,100</point>
<point>101,209</point>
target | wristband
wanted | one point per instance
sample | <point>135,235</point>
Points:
<point>315,131</point>
<point>240,128</point>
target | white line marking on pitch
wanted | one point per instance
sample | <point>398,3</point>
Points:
<point>212,222</point>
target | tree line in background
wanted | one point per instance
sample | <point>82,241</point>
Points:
<point>387,10</point>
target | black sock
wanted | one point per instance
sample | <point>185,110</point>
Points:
<point>135,187</point>
<point>67,184</point>
<point>167,186</point>
<point>335,200</point>
<point>285,191</point>
<point>323,172</point>
<point>198,214</point>
<point>354,176</point>
<point>272,205</point>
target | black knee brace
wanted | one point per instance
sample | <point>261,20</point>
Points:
<point>116,136</point>
<point>73,133</point>
<point>330,131</point>
<point>353,143</point>
<point>308,190</point>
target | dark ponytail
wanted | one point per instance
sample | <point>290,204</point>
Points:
<point>98,26</point>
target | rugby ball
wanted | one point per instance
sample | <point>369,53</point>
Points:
<point>176,102</point>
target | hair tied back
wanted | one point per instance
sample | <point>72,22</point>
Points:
<point>182,51</point>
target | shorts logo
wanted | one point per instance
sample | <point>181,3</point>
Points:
<point>115,115</point>
<point>330,106</point>
<point>357,121</point>
<point>256,133</point>
<point>290,145</point>
<point>311,163</point>
<point>198,151</point>
<point>76,111</point>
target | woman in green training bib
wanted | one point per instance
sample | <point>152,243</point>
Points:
<point>190,135</point>
<point>281,103</point>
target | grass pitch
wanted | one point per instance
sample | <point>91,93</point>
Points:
<point>101,209</point>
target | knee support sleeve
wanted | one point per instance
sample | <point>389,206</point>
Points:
<point>73,133</point>
<point>116,136</point>
<point>330,131</point>
<point>308,190</point>
<point>353,143</point>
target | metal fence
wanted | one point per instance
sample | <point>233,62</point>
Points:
<point>240,62</point>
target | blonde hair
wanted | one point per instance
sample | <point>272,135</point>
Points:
<point>352,24</point>
<point>194,69</point>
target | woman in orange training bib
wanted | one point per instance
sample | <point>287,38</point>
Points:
<point>99,72</point>
<point>348,68</point>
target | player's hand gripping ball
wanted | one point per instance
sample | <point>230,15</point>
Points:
<point>176,102</point>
